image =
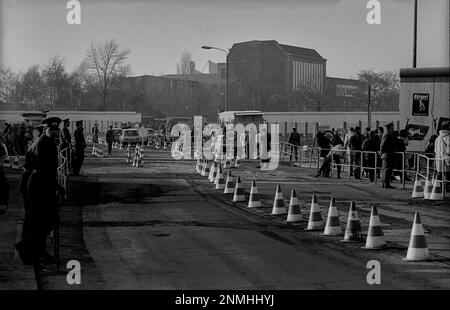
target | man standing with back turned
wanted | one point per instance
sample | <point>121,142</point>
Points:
<point>80,145</point>
<point>387,150</point>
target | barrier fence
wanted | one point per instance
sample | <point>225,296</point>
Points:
<point>405,163</point>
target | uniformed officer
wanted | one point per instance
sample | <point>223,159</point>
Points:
<point>42,217</point>
<point>80,145</point>
<point>65,138</point>
<point>387,150</point>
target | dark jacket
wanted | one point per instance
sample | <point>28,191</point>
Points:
<point>356,141</point>
<point>80,143</point>
<point>294,138</point>
<point>387,147</point>
<point>110,136</point>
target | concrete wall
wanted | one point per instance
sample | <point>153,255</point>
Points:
<point>89,118</point>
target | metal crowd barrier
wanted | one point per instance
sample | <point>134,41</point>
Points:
<point>309,157</point>
<point>64,160</point>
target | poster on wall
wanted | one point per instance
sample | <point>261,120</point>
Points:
<point>417,132</point>
<point>440,122</point>
<point>421,104</point>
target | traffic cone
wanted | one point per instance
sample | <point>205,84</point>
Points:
<point>212,172</point>
<point>417,249</point>
<point>418,189</point>
<point>375,236</point>
<point>15,164</point>
<point>128,159</point>
<point>200,167</point>
<point>333,225</point>
<point>229,184</point>
<point>315,216</point>
<point>278,203</point>
<point>428,188</point>
<point>238,191</point>
<point>353,231</point>
<point>141,155</point>
<point>205,172</point>
<point>197,164</point>
<point>6,162</point>
<point>120,145</point>
<point>219,182</point>
<point>294,213</point>
<point>93,149</point>
<point>253,201</point>
<point>436,193</point>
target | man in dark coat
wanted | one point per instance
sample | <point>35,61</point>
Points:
<point>387,150</point>
<point>80,145</point>
<point>355,143</point>
<point>294,139</point>
<point>110,139</point>
<point>42,214</point>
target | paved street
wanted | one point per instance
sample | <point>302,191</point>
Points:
<point>163,226</point>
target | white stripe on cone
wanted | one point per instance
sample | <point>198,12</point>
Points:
<point>315,216</point>
<point>436,193</point>
<point>333,216</point>
<point>253,201</point>
<point>417,254</point>
<point>278,203</point>
<point>236,197</point>
<point>375,241</point>
<point>417,190</point>
<point>220,184</point>
<point>229,184</point>
<point>294,207</point>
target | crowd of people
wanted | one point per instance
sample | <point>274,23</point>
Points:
<point>382,149</point>
<point>39,183</point>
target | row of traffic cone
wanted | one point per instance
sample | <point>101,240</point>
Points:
<point>417,249</point>
<point>433,189</point>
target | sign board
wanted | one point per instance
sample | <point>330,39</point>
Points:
<point>440,122</point>
<point>417,132</point>
<point>420,104</point>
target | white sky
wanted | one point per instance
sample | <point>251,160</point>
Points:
<point>158,31</point>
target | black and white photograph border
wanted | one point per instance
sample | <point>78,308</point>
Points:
<point>224,152</point>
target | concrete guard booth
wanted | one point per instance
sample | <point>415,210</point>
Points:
<point>424,103</point>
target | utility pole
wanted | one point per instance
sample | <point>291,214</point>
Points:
<point>415,36</point>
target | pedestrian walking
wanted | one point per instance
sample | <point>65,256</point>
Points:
<point>80,145</point>
<point>355,143</point>
<point>95,133</point>
<point>370,145</point>
<point>110,139</point>
<point>42,207</point>
<point>387,150</point>
<point>294,139</point>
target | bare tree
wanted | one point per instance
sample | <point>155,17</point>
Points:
<point>104,62</point>
<point>184,66</point>
<point>56,79</point>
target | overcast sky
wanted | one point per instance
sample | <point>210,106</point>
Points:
<point>158,31</point>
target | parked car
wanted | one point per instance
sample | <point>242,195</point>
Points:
<point>130,136</point>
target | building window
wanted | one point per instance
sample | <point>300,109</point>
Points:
<point>346,90</point>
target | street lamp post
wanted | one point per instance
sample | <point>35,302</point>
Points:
<point>226,68</point>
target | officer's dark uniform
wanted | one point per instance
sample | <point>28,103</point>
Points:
<point>65,138</point>
<point>387,150</point>
<point>80,145</point>
<point>40,194</point>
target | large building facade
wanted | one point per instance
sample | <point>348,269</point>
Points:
<point>269,76</point>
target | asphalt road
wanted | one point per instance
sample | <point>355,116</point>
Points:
<point>162,226</point>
